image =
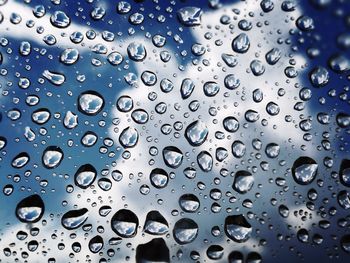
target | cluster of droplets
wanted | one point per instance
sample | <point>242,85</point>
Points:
<point>199,138</point>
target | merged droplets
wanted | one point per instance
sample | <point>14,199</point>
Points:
<point>54,77</point>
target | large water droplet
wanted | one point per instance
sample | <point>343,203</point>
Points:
<point>241,43</point>
<point>190,15</point>
<point>74,218</point>
<point>85,176</point>
<point>237,228</point>
<point>155,224</point>
<point>196,133</point>
<point>30,209</point>
<point>52,157</point>
<point>125,223</point>
<point>90,102</point>
<point>304,170</point>
<point>129,137</point>
<point>185,231</point>
<point>172,156</point>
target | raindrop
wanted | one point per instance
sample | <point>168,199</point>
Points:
<point>237,228</point>
<point>304,170</point>
<point>30,209</point>
<point>73,219</point>
<point>185,231</point>
<point>85,176</point>
<point>52,157</point>
<point>125,223</point>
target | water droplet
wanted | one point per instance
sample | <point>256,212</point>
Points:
<point>238,228</point>
<point>185,231</point>
<point>85,176</point>
<point>73,219</point>
<point>137,51</point>
<point>190,16</point>
<point>304,170</point>
<point>155,224</point>
<point>30,209</point>
<point>172,156</point>
<point>90,102</point>
<point>52,157</point>
<point>60,19</point>
<point>243,182</point>
<point>129,137</point>
<point>196,133</point>
<point>159,178</point>
<point>241,43</point>
<point>189,203</point>
<point>125,223</point>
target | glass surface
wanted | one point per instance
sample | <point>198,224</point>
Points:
<point>174,131</point>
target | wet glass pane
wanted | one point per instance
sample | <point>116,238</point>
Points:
<point>174,131</point>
